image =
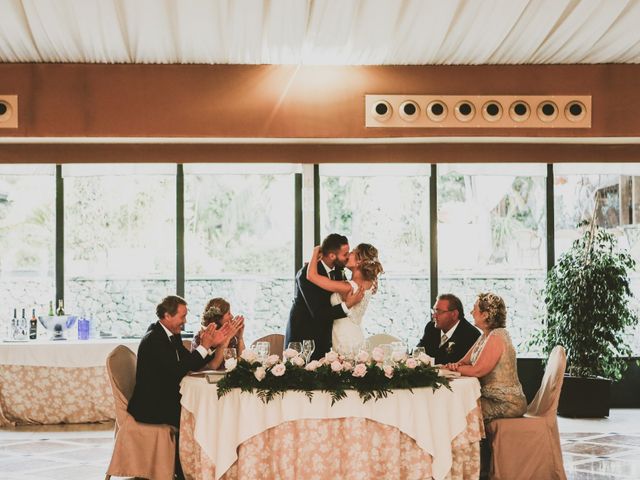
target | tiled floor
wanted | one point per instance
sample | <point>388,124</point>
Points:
<point>604,449</point>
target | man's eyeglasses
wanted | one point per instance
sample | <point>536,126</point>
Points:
<point>435,311</point>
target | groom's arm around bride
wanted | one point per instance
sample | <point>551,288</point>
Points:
<point>312,315</point>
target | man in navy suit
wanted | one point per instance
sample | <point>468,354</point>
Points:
<point>311,316</point>
<point>448,336</point>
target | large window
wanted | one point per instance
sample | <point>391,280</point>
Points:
<point>27,238</point>
<point>387,206</point>
<point>239,242</point>
<point>491,237</point>
<point>616,187</point>
<point>119,243</point>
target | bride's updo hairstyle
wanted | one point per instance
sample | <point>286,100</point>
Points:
<point>496,309</point>
<point>214,311</point>
<point>368,263</point>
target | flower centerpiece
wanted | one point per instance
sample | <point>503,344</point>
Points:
<point>371,374</point>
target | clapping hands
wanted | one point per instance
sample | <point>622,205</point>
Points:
<point>214,337</point>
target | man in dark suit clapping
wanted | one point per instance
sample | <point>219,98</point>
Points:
<point>448,336</point>
<point>312,316</point>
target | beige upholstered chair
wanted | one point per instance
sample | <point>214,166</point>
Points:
<point>140,449</point>
<point>276,340</point>
<point>381,339</point>
<point>528,448</point>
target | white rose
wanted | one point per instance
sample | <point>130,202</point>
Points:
<point>331,357</point>
<point>411,363</point>
<point>260,373</point>
<point>272,360</point>
<point>424,358</point>
<point>312,365</point>
<point>388,371</point>
<point>397,356</point>
<point>278,370</point>
<point>360,370</point>
<point>377,354</point>
<point>347,366</point>
<point>249,355</point>
<point>290,353</point>
<point>362,356</point>
<point>336,366</point>
<point>298,361</point>
<point>230,364</point>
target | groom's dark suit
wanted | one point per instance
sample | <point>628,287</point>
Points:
<point>463,338</point>
<point>312,315</point>
<point>156,395</point>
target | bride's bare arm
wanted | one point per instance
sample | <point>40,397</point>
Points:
<point>323,282</point>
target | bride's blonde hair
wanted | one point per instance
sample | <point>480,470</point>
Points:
<point>368,263</point>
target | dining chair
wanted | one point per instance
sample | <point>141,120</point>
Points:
<point>528,448</point>
<point>276,342</point>
<point>381,339</point>
<point>140,449</point>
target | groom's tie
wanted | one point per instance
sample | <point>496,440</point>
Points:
<point>332,274</point>
<point>443,339</point>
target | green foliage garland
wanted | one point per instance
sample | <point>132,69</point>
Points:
<point>373,385</point>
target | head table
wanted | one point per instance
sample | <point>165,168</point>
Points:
<point>49,382</point>
<point>424,434</point>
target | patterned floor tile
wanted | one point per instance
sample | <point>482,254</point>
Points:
<point>615,466</point>
<point>627,440</point>
<point>593,449</point>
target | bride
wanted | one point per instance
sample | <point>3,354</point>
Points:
<point>365,267</point>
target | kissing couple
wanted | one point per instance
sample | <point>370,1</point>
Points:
<point>327,307</point>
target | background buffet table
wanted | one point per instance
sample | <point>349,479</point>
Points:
<point>49,382</point>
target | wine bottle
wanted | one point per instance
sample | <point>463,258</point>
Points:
<point>60,311</point>
<point>14,325</point>
<point>24,326</point>
<point>33,326</point>
<point>50,308</point>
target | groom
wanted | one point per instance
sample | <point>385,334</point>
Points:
<point>312,316</point>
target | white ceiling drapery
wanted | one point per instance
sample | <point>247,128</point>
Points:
<point>337,32</point>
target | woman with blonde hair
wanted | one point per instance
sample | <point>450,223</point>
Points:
<point>493,360</point>
<point>365,268</point>
<point>218,311</point>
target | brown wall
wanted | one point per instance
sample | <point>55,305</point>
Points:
<point>226,101</point>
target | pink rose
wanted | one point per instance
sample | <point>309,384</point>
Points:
<point>331,357</point>
<point>388,371</point>
<point>362,356</point>
<point>398,356</point>
<point>278,369</point>
<point>336,366</point>
<point>377,354</point>
<point>411,363</point>
<point>312,365</point>
<point>290,353</point>
<point>272,360</point>
<point>360,370</point>
<point>230,364</point>
<point>347,366</point>
<point>260,373</point>
<point>426,359</point>
<point>298,361</point>
<point>249,355</point>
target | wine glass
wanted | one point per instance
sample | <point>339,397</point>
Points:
<point>262,351</point>
<point>417,351</point>
<point>308,347</point>
<point>297,346</point>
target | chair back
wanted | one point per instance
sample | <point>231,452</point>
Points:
<point>381,339</point>
<point>121,368</point>
<point>545,403</point>
<point>276,342</point>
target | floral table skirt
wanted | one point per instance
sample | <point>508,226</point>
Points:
<point>347,448</point>
<point>49,395</point>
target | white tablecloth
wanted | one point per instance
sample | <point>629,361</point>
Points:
<point>62,353</point>
<point>432,418</point>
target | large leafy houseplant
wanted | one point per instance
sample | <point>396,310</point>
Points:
<point>587,300</point>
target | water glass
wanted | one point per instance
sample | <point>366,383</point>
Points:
<point>387,351</point>
<point>229,353</point>
<point>308,347</point>
<point>417,351</point>
<point>262,351</point>
<point>297,346</point>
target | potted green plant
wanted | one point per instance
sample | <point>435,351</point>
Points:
<point>588,311</point>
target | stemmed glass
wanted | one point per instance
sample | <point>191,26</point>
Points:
<point>262,351</point>
<point>308,347</point>
<point>297,346</point>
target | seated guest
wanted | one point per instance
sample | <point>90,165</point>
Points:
<point>493,360</point>
<point>449,336</point>
<point>218,312</point>
<point>163,361</point>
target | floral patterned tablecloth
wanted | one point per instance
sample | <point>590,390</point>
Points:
<point>293,438</point>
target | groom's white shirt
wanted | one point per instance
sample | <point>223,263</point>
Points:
<point>329,270</point>
<point>449,334</point>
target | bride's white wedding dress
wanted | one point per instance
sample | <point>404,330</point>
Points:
<point>347,332</point>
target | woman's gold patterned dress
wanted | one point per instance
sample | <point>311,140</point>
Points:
<point>502,394</point>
